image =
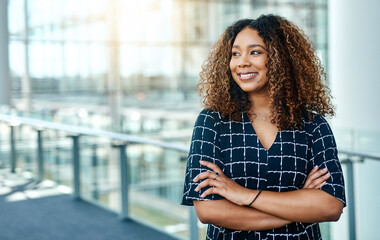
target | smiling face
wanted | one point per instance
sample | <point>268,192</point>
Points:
<point>248,62</point>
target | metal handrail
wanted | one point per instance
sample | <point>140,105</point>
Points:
<point>360,154</point>
<point>121,142</point>
<point>16,120</point>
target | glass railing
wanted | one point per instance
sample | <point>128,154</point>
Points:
<point>361,165</point>
<point>359,172</point>
<point>142,178</point>
<point>138,178</point>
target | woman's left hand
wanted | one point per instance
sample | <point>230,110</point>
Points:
<point>222,185</point>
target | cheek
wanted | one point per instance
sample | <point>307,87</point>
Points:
<point>265,63</point>
<point>232,65</point>
<point>261,64</point>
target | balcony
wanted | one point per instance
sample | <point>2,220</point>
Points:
<point>61,181</point>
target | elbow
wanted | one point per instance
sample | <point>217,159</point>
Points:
<point>203,218</point>
<point>330,208</point>
<point>202,215</point>
<point>335,215</point>
<point>204,211</point>
<point>333,212</point>
<point>332,217</point>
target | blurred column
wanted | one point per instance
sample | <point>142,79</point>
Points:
<point>185,26</point>
<point>354,58</point>
<point>354,61</point>
<point>5,80</point>
<point>113,80</point>
<point>25,81</point>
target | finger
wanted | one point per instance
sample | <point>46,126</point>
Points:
<point>321,171</point>
<point>310,179</point>
<point>325,177</point>
<point>317,174</point>
<point>313,176</point>
<point>209,191</point>
<point>205,183</point>
<point>321,185</point>
<point>307,184</point>
<point>204,175</point>
<point>211,165</point>
<point>314,169</point>
<point>318,181</point>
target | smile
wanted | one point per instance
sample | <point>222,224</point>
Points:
<point>247,75</point>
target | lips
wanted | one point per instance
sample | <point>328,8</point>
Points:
<point>248,75</point>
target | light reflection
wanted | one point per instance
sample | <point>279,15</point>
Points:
<point>135,116</point>
<point>82,113</point>
<point>61,34</point>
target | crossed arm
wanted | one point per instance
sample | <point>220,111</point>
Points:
<point>271,209</point>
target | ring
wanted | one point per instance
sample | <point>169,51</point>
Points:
<point>217,174</point>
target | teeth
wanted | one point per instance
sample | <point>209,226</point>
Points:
<point>248,75</point>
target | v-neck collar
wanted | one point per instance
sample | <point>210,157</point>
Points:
<point>246,119</point>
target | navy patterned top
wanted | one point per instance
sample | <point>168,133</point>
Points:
<point>236,149</point>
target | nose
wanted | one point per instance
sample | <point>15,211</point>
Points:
<point>243,61</point>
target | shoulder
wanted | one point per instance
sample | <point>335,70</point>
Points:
<point>208,117</point>
<point>312,125</point>
<point>209,113</point>
<point>318,127</point>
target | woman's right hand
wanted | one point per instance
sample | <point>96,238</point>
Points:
<point>316,178</point>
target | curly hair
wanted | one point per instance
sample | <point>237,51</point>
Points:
<point>295,75</point>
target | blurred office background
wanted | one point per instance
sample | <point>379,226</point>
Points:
<point>131,67</point>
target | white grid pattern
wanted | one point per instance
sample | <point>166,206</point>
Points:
<point>236,149</point>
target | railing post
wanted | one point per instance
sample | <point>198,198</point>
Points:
<point>193,222</point>
<point>124,183</point>
<point>40,155</point>
<point>76,167</point>
<point>57,163</point>
<point>95,192</point>
<point>28,162</point>
<point>13,149</point>
<point>2,162</point>
<point>351,200</point>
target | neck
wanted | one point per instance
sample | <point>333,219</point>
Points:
<point>260,103</point>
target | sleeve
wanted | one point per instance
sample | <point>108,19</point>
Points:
<point>205,145</point>
<point>324,153</point>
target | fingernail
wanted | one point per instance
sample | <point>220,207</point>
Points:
<point>196,189</point>
<point>195,180</point>
<point>325,169</point>
<point>316,166</point>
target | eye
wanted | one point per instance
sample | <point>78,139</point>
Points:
<point>255,52</point>
<point>235,54</point>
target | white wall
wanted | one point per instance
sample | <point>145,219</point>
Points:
<point>354,62</point>
<point>4,65</point>
<point>354,67</point>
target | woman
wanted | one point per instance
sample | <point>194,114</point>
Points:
<point>263,161</point>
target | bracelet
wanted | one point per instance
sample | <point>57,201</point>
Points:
<point>254,199</point>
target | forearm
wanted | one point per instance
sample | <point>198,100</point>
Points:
<point>226,214</point>
<point>304,205</point>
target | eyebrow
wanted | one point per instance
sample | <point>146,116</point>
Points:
<point>250,46</point>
